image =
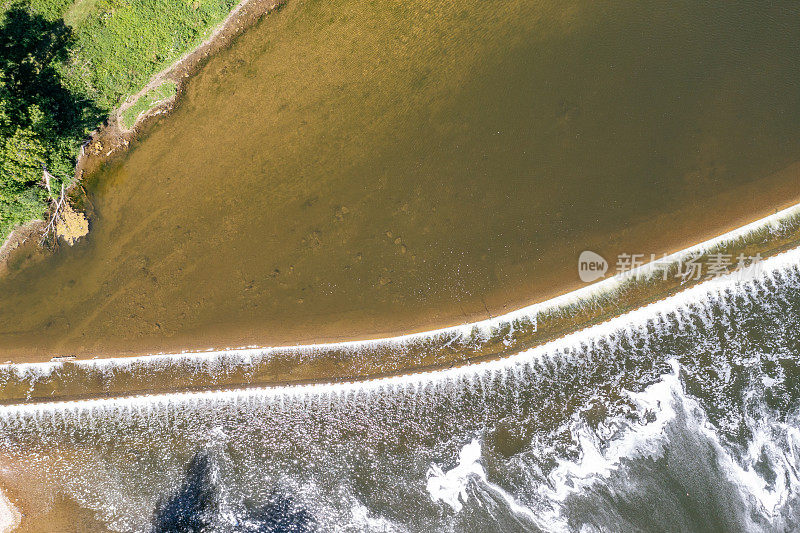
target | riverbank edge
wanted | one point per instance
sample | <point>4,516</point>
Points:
<point>113,139</point>
<point>495,339</point>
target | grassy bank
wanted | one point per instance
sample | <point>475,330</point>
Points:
<point>154,96</point>
<point>64,65</point>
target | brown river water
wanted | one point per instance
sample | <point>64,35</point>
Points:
<point>358,169</point>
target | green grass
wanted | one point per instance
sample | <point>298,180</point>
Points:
<point>107,50</point>
<point>152,97</point>
<point>123,43</point>
<point>78,12</point>
<point>120,44</point>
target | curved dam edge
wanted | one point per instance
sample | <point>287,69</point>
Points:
<point>633,319</point>
<point>501,338</point>
<point>605,285</point>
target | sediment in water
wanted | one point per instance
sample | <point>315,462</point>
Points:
<point>361,361</point>
<point>226,226</point>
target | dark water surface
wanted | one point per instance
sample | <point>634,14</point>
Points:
<point>350,169</point>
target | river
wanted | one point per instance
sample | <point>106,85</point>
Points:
<point>682,416</point>
<point>350,170</point>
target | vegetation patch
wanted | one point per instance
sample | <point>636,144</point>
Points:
<point>153,97</point>
<point>64,66</point>
<point>71,225</point>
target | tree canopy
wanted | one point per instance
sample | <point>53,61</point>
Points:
<point>42,123</point>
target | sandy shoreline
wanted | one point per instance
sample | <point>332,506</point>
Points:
<point>114,138</point>
<point>17,238</point>
<point>243,15</point>
<point>10,516</point>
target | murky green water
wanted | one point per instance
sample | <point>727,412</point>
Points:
<point>350,169</point>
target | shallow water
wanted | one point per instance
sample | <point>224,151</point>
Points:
<point>352,169</point>
<point>683,417</point>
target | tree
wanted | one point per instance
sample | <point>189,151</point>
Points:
<point>42,123</point>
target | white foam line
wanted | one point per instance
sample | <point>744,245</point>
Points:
<point>528,312</point>
<point>10,517</point>
<point>636,317</point>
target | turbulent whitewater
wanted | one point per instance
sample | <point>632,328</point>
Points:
<point>684,416</point>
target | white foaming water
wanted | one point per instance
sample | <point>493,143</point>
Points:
<point>773,442</point>
<point>236,423</point>
<point>451,487</point>
<point>584,295</point>
<point>600,457</point>
<point>10,517</point>
<point>362,520</point>
<point>674,305</point>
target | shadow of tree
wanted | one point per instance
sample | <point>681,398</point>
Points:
<point>42,121</point>
<point>32,52</point>
<point>195,508</point>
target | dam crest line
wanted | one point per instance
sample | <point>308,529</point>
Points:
<point>641,314</point>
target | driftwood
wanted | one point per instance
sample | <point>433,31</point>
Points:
<point>64,222</point>
<point>47,177</point>
<point>58,204</point>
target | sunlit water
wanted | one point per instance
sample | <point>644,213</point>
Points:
<point>683,417</point>
<point>351,169</point>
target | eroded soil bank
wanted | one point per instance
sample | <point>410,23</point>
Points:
<point>350,170</point>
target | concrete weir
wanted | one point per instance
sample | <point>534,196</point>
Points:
<point>352,364</point>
